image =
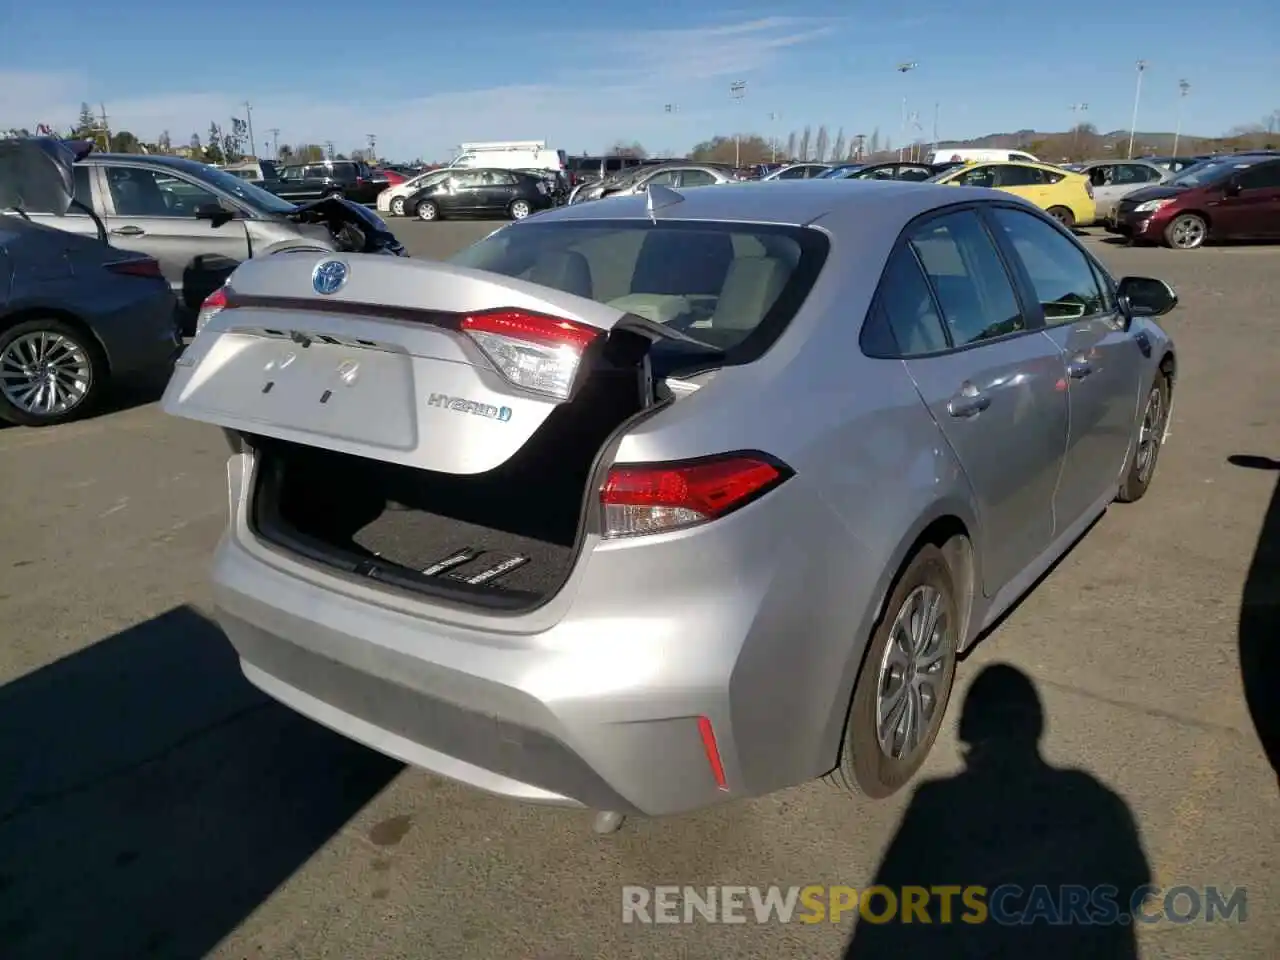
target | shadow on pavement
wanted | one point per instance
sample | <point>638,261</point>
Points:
<point>1048,844</point>
<point>1260,622</point>
<point>152,799</point>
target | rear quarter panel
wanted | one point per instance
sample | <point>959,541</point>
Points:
<point>871,472</point>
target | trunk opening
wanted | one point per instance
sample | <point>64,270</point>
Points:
<point>515,532</point>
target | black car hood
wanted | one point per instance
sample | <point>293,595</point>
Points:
<point>356,229</point>
<point>1153,193</point>
<point>35,173</point>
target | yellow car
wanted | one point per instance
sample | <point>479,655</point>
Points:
<point>1064,195</point>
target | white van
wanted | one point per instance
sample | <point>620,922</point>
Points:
<point>950,155</point>
<point>511,155</point>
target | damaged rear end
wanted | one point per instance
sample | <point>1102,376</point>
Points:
<point>445,450</point>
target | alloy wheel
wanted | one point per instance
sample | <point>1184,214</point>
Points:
<point>912,673</point>
<point>45,373</point>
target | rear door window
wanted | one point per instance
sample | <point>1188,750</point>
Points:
<point>909,308</point>
<point>968,278</point>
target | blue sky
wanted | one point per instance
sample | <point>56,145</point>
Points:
<point>424,77</point>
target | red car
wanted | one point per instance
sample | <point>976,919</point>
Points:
<point>1225,198</point>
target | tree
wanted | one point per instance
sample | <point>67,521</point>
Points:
<point>125,142</point>
<point>838,152</point>
<point>213,152</point>
<point>308,153</point>
<point>874,146</point>
<point>749,147</point>
<point>86,127</point>
<point>284,153</point>
<point>823,144</point>
<point>164,144</point>
<point>791,145</point>
<point>624,149</point>
<point>805,139</point>
<point>197,151</point>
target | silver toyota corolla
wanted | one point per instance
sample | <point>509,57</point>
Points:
<point>657,502</point>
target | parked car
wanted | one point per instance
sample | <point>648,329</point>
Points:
<point>840,171</point>
<point>574,543</point>
<point>76,313</point>
<point>1112,180</point>
<point>557,183</point>
<point>480,192</point>
<point>678,173</point>
<point>1066,196</point>
<point>1235,198</point>
<point>980,155</point>
<point>352,180</point>
<point>1174,164</point>
<point>253,170</point>
<point>891,170</point>
<point>197,221</point>
<point>392,199</point>
<point>798,171</point>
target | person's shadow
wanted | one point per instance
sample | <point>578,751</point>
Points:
<point>1058,853</point>
<point>1259,635</point>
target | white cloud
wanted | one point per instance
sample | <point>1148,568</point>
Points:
<point>609,86</point>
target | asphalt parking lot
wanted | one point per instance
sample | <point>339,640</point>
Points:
<point>152,804</point>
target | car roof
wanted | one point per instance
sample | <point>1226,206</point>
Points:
<point>891,203</point>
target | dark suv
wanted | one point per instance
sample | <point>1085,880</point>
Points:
<point>352,179</point>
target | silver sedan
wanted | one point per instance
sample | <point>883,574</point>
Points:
<point>652,503</point>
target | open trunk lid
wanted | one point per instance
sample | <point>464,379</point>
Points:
<point>415,363</point>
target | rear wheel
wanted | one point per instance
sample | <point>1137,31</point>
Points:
<point>426,210</point>
<point>1063,216</point>
<point>1186,232</point>
<point>1142,466</point>
<point>906,679</point>
<point>520,209</point>
<point>397,207</point>
<point>50,372</point>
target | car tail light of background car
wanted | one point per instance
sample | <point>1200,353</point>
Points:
<point>640,499</point>
<point>142,267</point>
<point>213,305</point>
<point>532,351</point>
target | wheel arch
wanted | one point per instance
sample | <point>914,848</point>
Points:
<point>950,526</point>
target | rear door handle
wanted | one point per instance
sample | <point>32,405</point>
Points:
<point>129,231</point>
<point>1079,369</point>
<point>968,404</point>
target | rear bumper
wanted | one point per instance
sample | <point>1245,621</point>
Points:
<point>143,336</point>
<point>1139,226</point>
<point>596,700</point>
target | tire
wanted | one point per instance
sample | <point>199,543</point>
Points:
<point>1150,440</point>
<point>1063,216</point>
<point>426,210</point>
<point>1188,231</point>
<point>73,352</point>
<point>520,209</point>
<point>397,207</point>
<point>866,767</point>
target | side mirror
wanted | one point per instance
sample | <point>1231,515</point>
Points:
<point>216,214</point>
<point>1145,297</point>
<point>1231,188</point>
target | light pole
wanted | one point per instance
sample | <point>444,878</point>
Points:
<point>1183,89</point>
<point>248,120</point>
<point>937,108</point>
<point>773,139</point>
<point>670,108</point>
<point>275,142</point>
<point>1137,98</point>
<point>1076,110</point>
<point>373,147</point>
<point>904,68</point>
<point>737,90</point>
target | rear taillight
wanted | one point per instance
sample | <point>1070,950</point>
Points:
<point>145,267</point>
<point>213,305</point>
<point>640,499</point>
<point>533,351</point>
